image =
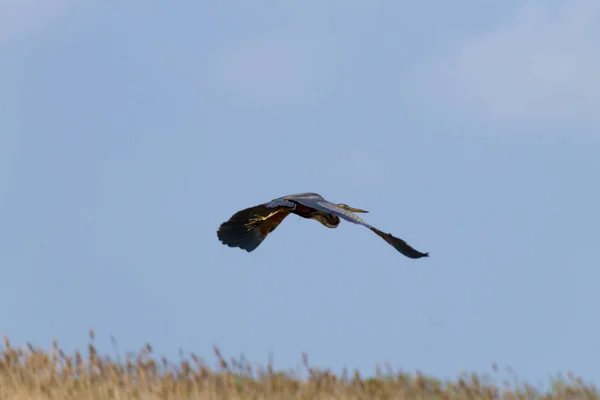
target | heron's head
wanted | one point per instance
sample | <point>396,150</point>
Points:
<point>352,209</point>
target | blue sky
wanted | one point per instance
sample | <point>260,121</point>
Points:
<point>129,132</point>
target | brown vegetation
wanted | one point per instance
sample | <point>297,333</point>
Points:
<point>30,373</point>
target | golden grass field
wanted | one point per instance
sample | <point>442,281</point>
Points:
<point>30,373</point>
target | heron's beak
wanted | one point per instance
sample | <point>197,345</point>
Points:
<point>357,210</point>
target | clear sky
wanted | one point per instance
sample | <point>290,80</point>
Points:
<point>129,131</point>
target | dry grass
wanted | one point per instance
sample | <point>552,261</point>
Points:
<point>29,373</point>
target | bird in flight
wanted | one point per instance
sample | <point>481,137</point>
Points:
<point>248,228</point>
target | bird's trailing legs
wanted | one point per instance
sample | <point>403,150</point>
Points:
<point>258,219</point>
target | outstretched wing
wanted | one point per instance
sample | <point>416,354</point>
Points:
<point>399,244</point>
<point>244,231</point>
<point>321,204</point>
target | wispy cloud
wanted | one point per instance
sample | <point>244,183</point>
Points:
<point>18,17</point>
<point>540,66</point>
<point>272,69</point>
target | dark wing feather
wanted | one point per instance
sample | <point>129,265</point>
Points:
<point>399,244</point>
<point>235,233</point>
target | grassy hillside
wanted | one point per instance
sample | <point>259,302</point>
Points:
<point>30,373</point>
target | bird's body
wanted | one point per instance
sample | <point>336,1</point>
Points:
<point>248,228</point>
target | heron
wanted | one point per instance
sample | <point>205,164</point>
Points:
<point>248,228</point>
